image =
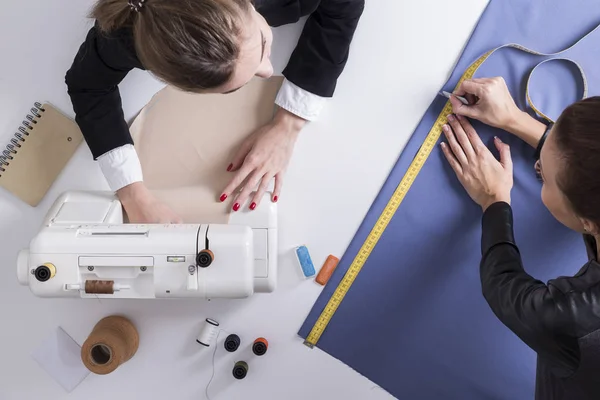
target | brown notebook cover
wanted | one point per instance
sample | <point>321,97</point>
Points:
<point>38,152</point>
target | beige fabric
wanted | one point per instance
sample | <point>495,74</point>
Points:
<point>186,141</point>
<point>43,155</point>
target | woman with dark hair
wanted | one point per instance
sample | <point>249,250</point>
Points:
<point>559,320</point>
<point>206,46</point>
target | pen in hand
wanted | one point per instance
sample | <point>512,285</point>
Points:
<point>448,95</point>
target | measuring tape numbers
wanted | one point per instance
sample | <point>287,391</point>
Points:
<point>413,170</point>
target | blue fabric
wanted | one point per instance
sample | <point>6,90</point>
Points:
<point>415,321</point>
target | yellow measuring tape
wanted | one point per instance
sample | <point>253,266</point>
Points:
<point>408,179</point>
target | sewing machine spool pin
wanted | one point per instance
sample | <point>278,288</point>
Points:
<point>44,272</point>
<point>97,287</point>
<point>205,258</point>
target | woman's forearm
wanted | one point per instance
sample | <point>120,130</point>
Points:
<point>527,128</point>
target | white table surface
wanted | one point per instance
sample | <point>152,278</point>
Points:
<point>401,56</point>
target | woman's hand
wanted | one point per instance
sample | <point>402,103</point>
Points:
<point>142,207</point>
<point>264,155</point>
<point>490,102</point>
<point>486,180</point>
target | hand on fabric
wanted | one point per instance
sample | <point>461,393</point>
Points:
<point>264,155</point>
<point>490,102</point>
<point>143,208</point>
<point>486,179</point>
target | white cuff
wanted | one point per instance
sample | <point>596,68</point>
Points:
<point>299,101</point>
<point>121,167</point>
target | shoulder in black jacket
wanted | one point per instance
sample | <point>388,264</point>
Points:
<point>559,320</point>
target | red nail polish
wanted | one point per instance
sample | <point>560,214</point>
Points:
<point>236,206</point>
<point>223,197</point>
<point>229,167</point>
<point>275,199</point>
<point>252,206</point>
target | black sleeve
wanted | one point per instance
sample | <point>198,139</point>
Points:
<point>538,314</point>
<point>322,51</point>
<point>101,63</point>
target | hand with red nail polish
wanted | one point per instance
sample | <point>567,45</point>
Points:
<point>264,156</point>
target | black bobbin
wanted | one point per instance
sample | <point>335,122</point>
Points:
<point>232,342</point>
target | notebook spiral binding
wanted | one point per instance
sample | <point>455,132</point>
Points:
<point>21,136</point>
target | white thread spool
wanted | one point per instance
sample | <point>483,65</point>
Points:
<point>208,333</point>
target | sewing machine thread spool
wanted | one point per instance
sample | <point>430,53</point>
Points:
<point>99,287</point>
<point>113,341</point>
<point>44,272</point>
<point>209,331</point>
<point>205,258</point>
<point>260,346</point>
<point>240,370</point>
<point>232,342</point>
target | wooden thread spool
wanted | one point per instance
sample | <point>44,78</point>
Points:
<point>112,342</point>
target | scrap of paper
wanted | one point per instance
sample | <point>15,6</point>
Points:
<point>60,356</point>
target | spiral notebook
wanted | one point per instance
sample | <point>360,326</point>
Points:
<point>38,152</point>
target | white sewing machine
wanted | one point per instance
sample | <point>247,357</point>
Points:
<point>85,250</point>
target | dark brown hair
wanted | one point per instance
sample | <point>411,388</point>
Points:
<point>190,44</point>
<point>577,135</point>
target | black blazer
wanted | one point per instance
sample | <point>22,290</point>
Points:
<point>103,61</point>
<point>559,320</point>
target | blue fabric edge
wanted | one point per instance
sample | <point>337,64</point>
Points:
<point>387,189</point>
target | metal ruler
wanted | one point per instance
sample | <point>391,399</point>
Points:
<point>407,181</point>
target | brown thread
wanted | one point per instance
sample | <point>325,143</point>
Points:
<point>112,342</point>
<point>99,287</point>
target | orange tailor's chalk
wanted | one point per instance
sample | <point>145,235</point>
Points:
<point>327,269</point>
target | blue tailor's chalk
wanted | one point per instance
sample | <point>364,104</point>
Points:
<point>308,269</point>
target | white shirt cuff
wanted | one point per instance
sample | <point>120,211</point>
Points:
<point>121,167</point>
<point>299,101</point>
